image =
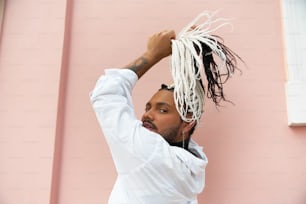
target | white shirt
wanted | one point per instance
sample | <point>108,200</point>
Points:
<point>150,171</point>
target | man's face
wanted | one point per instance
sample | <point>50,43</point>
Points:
<point>162,117</point>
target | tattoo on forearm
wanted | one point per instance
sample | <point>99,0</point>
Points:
<point>138,65</point>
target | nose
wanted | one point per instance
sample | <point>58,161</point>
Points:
<point>148,115</point>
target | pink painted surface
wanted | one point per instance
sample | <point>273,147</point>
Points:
<point>254,157</point>
<point>30,66</point>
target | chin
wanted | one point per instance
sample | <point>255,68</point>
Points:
<point>151,129</point>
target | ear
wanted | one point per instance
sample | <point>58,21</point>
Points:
<point>188,126</point>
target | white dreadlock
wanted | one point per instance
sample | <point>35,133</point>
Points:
<point>188,91</point>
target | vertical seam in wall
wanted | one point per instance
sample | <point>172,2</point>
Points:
<point>60,118</point>
<point>283,37</point>
<point>2,10</point>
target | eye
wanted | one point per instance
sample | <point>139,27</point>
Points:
<point>162,110</point>
<point>147,108</point>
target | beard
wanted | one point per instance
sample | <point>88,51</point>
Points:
<point>170,134</point>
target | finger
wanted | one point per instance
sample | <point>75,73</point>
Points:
<point>192,28</point>
<point>164,32</point>
<point>168,32</point>
<point>172,34</point>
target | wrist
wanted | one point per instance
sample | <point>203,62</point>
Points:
<point>152,57</point>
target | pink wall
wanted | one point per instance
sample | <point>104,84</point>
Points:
<point>52,52</point>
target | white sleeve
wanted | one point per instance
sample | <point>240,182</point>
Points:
<point>131,145</point>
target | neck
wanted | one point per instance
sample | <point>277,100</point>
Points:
<point>184,143</point>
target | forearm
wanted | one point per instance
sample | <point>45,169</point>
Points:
<point>142,64</point>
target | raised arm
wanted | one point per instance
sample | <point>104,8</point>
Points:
<point>158,47</point>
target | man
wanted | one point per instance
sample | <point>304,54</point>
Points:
<point>156,160</point>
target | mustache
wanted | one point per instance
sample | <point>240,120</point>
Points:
<point>150,123</point>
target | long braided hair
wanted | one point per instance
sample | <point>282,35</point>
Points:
<point>193,58</point>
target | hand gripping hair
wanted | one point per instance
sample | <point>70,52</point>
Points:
<point>193,55</point>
